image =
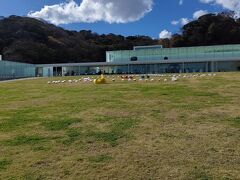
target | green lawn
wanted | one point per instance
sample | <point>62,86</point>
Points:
<point>189,129</point>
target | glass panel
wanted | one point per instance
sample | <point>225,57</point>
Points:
<point>13,70</point>
<point>185,53</point>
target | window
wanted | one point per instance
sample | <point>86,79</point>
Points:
<point>134,58</point>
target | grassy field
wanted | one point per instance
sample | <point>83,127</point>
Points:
<point>189,129</point>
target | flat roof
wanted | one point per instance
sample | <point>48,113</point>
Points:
<point>14,62</point>
<point>147,47</point>
<point>180,48</point>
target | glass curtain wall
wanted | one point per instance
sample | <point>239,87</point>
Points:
<point>184,53</point>
<point>14,70</point>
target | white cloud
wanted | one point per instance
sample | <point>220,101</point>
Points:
<point>165,34</point>
<point>181,2</point>
<point>199,13</point>
<point>111,11</point>
<point>174,22</point>
<point>182,21</point>
<point>233,5</point>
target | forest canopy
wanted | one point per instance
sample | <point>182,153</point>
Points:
<point>25,39</point>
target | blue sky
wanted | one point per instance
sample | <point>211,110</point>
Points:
<point>160,17</point>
